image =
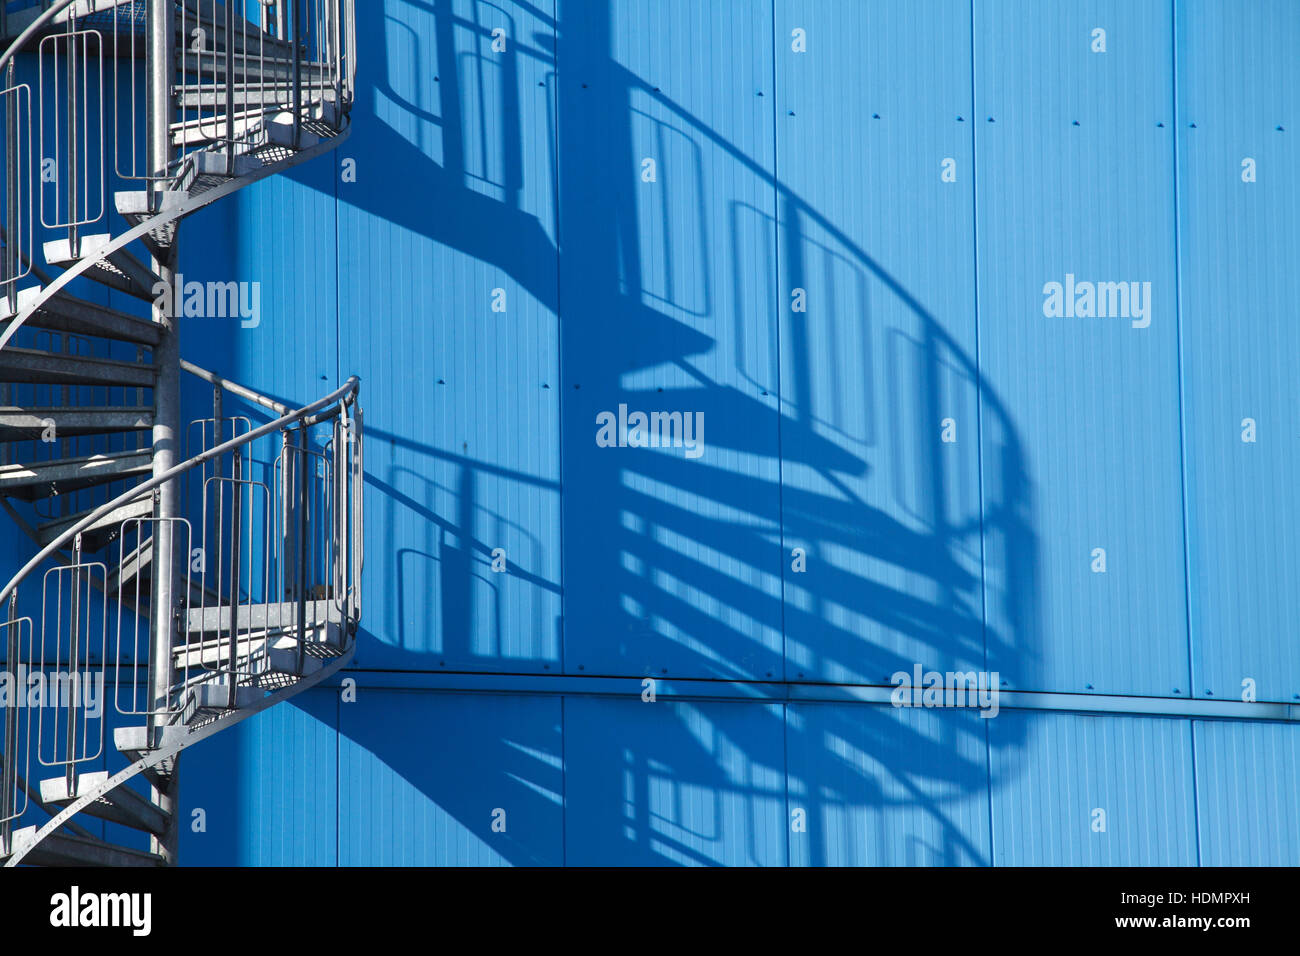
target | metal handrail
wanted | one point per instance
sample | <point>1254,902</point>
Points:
<point>305,415</point>
<point>346,393</point>
<point>323,45</point>
<point>33,28</point>
<point>234,388</point>
<point>329,61</point>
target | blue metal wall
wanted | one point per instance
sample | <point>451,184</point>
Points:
<point>1238,245</point>
<point>519,178</point>
<point>1074,176</point>
<point>837,255</point>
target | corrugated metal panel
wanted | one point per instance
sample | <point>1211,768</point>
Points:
<point>453,199</point>
<point>1052,773</point>
<point>667,289</point>
<point>1239,246</point>
<point>673,783</point>
<point>884,786</point>
<point>1248,793</point>
<point>676,296</point>
<point>450,779</point>
<point>284,239</point>
<point>268,789</point>
<point>880,248</point>
<point>1094,400</point>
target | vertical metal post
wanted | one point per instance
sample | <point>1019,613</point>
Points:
<point>339,508</point>
<point>301,548</point>
<point>74,667</point>
<point>334,17</point>
<point>159,72</point>
<point>357,507</point>
<point>286,509</point>
<point>296,66</point>
<point>13,236</point>
<point>217,465</point>
<point>230,85</point>
<point>166,429</point>
<point>66,442</point>
<point>9,757</point>
<point>13,230</point>
<point>73,144</point>
<point>236,546</point>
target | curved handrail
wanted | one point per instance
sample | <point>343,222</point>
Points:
<point>33,28</point>
<point>48,291</point>
<point>155,757</point>
<point>234,388</point>
<point>306,414</point>
<point>347,391</point>
<point>163,218</point>
<point>341,404</point>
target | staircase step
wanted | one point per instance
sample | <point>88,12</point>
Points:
<point>134,207</point>
<point>33,366</point>
<point>258,655</point>
<point>256,95</point>
<point>64,849</point>
<point>120,270</point>
<point>120,805</point>
<point>276,123</point>
<point>210,67</point>
<point>132,576</point>
<point>214,162</point>
<point>135,203</point>
<point>12,305</point>
<point>252,132</point>
<point>50,478</point>
<point>215,695</point>
<point>127,569</point>
<point>205,129</point>
<point>159,774</point>
<point>136,741</point>
<point>103,530</point>
<point>63,313</point>
<point>279,132</point>
<point>17,424</point>
<point>67,314</point>
<point>260,617</point>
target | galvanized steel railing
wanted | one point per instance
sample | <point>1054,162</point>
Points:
<point>270,554</point>
<point>239,90</point>
<point>312,526</point>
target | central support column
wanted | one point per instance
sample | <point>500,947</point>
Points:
<point>166,430</point>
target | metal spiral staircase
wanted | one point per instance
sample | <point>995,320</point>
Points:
<point>193,575</point>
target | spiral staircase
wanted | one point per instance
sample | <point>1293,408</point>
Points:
<point>182,578</point>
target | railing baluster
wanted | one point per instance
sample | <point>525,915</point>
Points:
<point>301,525</point>
<point>296,64</point>
<point>319,36</point>
<point>339,530</point>
<point>73,144</point>
<point>13,231</point>
<point>74,665</point>
<point>9,757</point>
<point>236,546</point>
<point>217,433</point>
<point>230,82</point>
